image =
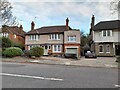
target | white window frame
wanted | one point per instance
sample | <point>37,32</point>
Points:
<point>5,34</point>
<point>106,33</point>
<point>58,48</point>
<point>54,36</point>
<point>106,49</point>
<point>102,49</point>
<point>34,37</point>
<point>72,38</point>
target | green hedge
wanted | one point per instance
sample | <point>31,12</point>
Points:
<point>12,52</point>
<point>37,51</point>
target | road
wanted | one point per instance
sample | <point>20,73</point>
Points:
<point>16,75</point>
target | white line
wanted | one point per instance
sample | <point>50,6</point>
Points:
<point>34,77</point>
<point>117,86</point>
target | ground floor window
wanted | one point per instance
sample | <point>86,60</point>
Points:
<point>100,48</point>
<point>57,48</point>
<point>107,48</point>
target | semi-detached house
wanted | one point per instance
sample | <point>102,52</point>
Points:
<point>56,40</point>
<point>106,38</point>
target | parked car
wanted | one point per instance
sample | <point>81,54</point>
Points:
<point>70,55</point>
<point>90,54</point>
<point>118,59</point>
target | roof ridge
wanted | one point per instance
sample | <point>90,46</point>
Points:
<point>54,26</point>
<point>109,21</point>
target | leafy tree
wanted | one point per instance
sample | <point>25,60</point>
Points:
<point>84,39</point>
<point>115,6</point>
<point>6,42</point>
<point>6,16</point>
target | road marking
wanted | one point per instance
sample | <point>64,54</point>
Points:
<point>34,77</point>
<point>117,86</point>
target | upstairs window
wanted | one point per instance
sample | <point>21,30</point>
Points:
<point>34,37</point>
<point>106,33</point>
<point>5,34</point>
<point>71,38</point>
<point>54,36</point>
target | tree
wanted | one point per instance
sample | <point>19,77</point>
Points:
<point>84,39</point>
<point>115,6</point>
<point>6,16</point>
<point>6,42</point>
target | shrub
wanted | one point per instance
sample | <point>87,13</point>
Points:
<point>6,42</point>
<point>20,45</point>
<point>12,52</point>
<point>37,51</point>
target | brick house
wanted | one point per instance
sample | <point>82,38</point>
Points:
<point>14,33</point>
<point>105,36</point>
<point>56,40</point>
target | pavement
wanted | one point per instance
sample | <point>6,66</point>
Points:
<point>99,62</point>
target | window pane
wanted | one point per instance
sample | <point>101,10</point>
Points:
<point>55,36</point>
<point>107,48</point>
<point>104,33</point>
<point>108,33</point>
<point>58,47</point>
<point>58,36</point>
<point>55,48</point>
<point>100,48</point>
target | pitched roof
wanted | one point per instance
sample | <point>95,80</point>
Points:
<point>107,25</point>
<point>15,30</point>
<point>48,29</point>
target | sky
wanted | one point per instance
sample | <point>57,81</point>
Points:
<point>55,12</point>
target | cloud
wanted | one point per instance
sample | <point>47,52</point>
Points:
<point>49,12</point>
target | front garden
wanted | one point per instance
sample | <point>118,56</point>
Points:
<point>10,49</point>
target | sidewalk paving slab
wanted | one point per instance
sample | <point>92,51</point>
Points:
<point>107,62</point>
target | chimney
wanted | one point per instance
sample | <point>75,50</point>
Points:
<point>67,22</point>
<point>92,24</point>
<point>21,29</point>
<point>32,25</point>
<point>92,21</point>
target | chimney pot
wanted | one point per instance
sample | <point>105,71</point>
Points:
<point>21,29</point>
<point>32,25</point>
<point>67,22</point>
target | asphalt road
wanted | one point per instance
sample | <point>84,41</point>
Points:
<point>16,75</point>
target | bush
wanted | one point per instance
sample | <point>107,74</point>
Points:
<point>37,51</point>
<point>20,45</point>
<point>12,52</point>
<point>6,42</point>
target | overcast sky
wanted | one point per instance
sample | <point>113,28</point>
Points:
<point>55,12</point>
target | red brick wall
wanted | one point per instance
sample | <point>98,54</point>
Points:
<point>72,45</point>
<point>18,39</point>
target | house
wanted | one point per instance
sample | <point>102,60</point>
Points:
<point>14,33</point>
<point>56,40</point>
<point>106,38</point>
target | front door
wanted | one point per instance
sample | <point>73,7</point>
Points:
<point>46,50</point>
<point>117,47</point>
